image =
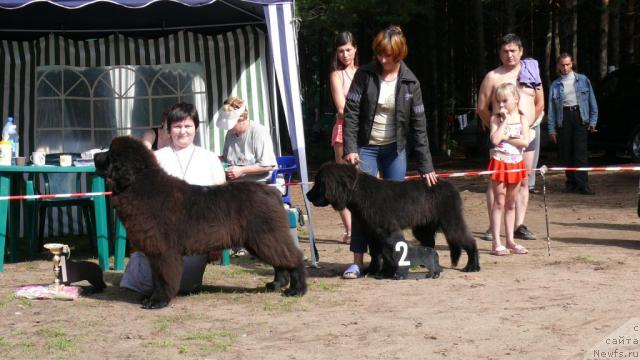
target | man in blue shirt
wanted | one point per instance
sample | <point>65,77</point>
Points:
<point>572,115</point>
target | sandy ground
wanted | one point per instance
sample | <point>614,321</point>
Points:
<point>534,306</point>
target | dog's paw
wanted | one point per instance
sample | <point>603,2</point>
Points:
<point>273,286</point>
<point>293,292</point>
<point>401,274</point>
<point>471,268</point>
<point>154,304</point>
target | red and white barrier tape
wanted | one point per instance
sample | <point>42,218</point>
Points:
<point>543,169</point>
<point>53,196</point>
<point>596,168</point>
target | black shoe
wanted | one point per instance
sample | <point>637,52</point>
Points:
<point>523,233</point>
<point>533,191</point>
<point>569,190</point>
<point>586,191</point>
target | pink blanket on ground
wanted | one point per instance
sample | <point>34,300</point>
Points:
<point>43,292</point>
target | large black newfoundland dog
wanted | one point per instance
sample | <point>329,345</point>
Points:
<point>167,218</point>
<point>385,208</point>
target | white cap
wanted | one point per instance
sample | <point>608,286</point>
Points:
<point>228,119</point>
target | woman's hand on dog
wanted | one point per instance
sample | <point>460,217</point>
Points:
<point>430,178</point>
<point>352,159</point>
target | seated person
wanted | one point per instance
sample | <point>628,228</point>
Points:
<point>248,148</point>
<point>157,138</point>
<point>198,166</point>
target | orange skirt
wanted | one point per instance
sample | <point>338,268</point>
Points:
<point>336,133</point>
<point>507,177</point>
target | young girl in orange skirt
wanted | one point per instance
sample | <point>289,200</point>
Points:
<point>509,135</point>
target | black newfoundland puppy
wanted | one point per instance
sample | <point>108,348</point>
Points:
<point>167,218</point>
<point>385,208</point>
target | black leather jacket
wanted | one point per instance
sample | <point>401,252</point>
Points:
<point>410,118</point>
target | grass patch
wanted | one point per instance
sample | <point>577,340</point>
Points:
<point>4,343</point>
<point>29,350</point>
<point>211,341</point>
<point>25,303</point>
<point>161,344</point>
<point>587,259</point>
<point>57,340</point>
<point>325,286</point>
<point>163,324</point>
<point>233,272</point>
<point>283,304</point>
<point>6,299</point>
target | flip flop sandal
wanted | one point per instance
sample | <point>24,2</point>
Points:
<point>352,272</point>
<point>519,250</point>
<point>500,251</point>
<point>240,252</point>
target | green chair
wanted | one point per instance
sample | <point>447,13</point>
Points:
<point>56,183</point>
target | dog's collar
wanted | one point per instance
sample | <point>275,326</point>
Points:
<point>353,187</point>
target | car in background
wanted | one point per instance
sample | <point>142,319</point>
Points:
<point>618,97</point>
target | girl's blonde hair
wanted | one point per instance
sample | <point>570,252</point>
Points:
<point>504,89</point>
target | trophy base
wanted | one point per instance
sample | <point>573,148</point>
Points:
<point>56,288</point>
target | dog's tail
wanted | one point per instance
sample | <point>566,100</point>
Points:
<point>456,251</point>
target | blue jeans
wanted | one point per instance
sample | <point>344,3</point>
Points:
<point>392,166</point>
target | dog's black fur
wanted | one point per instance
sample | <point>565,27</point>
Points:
<point>385,208</point>
<point>85,270</point>
<point>167,218</point>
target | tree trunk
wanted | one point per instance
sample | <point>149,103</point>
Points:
<point>548,45</point>
<point>444,68</point>
<point>574,29</point>
<point>614,33</point>
<point>478,44</point>
<point>510,7</point>
<point>433,98</point>
<point>629,37</point>
<point>556,33</point>
<point>604,37</point>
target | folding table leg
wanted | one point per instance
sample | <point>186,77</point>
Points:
<point>120,246</point>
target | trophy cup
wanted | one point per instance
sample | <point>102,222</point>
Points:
<point>56,249</point>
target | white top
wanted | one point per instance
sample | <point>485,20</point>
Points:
<point>569,89</point>
<point>506,152</point>
<point>193,164</point>
<point>253,147</point>
<point>383,130</point>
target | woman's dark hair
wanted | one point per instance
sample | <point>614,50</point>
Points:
<point>341,39</point>
<point>181,111</point>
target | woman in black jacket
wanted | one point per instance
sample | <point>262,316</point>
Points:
<point>383,110</point>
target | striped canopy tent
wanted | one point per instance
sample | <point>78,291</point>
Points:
<point>244,48</point>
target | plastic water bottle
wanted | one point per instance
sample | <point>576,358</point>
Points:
<point>10,133</point>
<point>292,214</point>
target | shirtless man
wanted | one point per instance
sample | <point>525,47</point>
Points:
<point>531,105</point>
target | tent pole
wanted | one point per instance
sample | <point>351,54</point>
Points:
<point>274,105</point>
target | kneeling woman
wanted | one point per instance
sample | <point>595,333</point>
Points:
<point>194,165</point>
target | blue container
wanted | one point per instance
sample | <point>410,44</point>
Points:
<point>293,224</point>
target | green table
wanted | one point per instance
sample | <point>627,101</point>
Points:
<point>8,173</point>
